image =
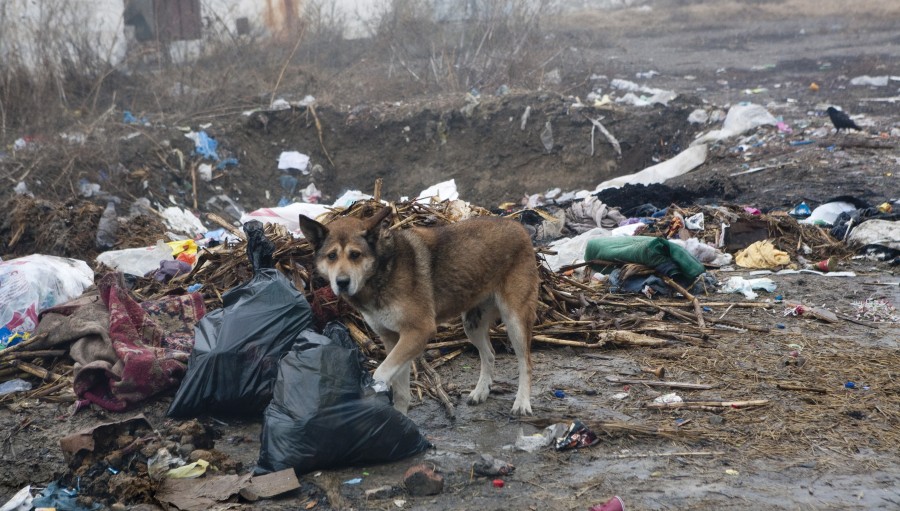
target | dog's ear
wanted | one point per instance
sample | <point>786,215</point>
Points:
<point>373,225</point>
<point>313,231</point>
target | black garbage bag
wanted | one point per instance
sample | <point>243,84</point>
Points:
<point>324,413</point>
<point>234,362</point>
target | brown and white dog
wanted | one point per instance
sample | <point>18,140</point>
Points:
<point>406,282</point>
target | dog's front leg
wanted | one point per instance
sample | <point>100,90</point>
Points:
<point>400,383</point>
<point>394,371</point>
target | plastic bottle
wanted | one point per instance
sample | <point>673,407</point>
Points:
<point>108,228</point>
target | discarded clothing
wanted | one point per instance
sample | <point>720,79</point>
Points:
<point>667,258</point>
<point>761,255</point>
<point>592,212</point>
<point>145,351</point>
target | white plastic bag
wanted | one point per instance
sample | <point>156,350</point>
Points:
<point>682,163</point>
<point>33,283</point>
<point>746,287</point>
<point>571,250</point>
<point>136,261</point>
<point>740,119</point>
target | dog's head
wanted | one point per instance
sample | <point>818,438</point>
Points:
<point>345,249</point>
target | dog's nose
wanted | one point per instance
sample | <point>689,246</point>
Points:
<point>343,283</point>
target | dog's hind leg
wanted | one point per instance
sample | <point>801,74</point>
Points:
<point>519,322</point>
<point>476,323</point>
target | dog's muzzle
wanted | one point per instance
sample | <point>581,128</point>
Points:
<point>343,284</point>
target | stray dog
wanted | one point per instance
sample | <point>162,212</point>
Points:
<point>406,282</point>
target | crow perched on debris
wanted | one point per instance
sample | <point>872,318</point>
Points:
<point>841,120</point>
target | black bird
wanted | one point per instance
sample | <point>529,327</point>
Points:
<point>841,120</point>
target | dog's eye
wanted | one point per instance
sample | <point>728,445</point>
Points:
<point>331,256</point>
<point>354,254</point>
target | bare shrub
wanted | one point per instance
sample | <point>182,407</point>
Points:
<point>54,64</point>
<point>455,45</point>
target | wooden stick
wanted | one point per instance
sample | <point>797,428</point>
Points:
<point>446,358</point>
<point>698,311</point>
<point>368,345</point>
<point>224,223</point>
<point>446,344</point>
<point>312,108</point>
<point>726,311</point>
<point>710,404</point>
<point>795,386</point>
<point>668,454</point>
<point>613,337</point>
<point>376,195</point>
<point>56,387</point>
<point>657,383</point>
<point>632,338</point>
<point>34,370</point>
<point>194,184</point>
<point>438,387</point>
<point>37,353</point>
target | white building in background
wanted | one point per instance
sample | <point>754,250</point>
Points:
<point>37,32</point>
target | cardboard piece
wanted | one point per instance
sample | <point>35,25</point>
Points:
<point>210,492</point>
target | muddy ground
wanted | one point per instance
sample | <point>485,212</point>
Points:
<point>805,450</point>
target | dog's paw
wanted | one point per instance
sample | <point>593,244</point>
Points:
<point>521,408</point>
<point>479,395</point>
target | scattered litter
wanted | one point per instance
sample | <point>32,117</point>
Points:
<point>294,160</point>
<point>12,386</point>
<point>445,190</point>
<point>21,501</point>
<point>668,398</point>
<point>614,504</point>
<point>684,162</point>
<point>871,81</point>
<point>31,284</point>
<point>878,310</point>
<point>746,287</point>
<point>761,254</point>
<point>740,119</point>
<point>204,145</point>
<point>576,436</point>
<point>136,261</point>
<point>489,466</point>
<point>698,116</point>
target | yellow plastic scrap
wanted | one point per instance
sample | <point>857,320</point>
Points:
<point>182,246</point>
<point>762,255</point>
<point>190,471</point>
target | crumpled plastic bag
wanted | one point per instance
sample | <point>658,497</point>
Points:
<point>324,413</point>
<point>746,286</point>
<point>234,363</point>
<point>762,255</point>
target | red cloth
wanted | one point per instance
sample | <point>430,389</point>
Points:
<point>153,340</point>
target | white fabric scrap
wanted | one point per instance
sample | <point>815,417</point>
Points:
<point>294,160</point>
<point>684,162</point>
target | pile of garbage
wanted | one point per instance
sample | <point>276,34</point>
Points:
<point>238,320</point>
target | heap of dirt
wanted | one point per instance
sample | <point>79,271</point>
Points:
<point>67,229</point>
